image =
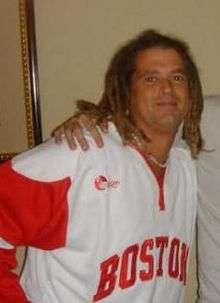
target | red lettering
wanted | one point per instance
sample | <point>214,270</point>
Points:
<point>129,260</point>
<point>161,242</point>
<point>161,246</point>
<point>174,258</point>
<point>183,262</point>
<point>146,258</point>
<point>108,278</point>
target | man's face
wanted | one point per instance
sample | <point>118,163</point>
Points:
<point>159,91</point>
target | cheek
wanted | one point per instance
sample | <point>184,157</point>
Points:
<point>184,97</point>
<point>142,99</point>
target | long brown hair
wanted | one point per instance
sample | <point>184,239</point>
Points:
<point>115,102</point>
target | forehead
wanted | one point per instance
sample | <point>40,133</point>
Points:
<point>158,57</point>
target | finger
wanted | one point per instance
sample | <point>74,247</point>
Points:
<point>104,126</point>
<point>87,121</point>
<point>79,135</point>
<point>68,127</point>
<point>90,124</point>
<point>70,138</point>
<point>57,134</point>
<point>74,133</point>
<point>96,135</point>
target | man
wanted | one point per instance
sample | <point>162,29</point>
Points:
<point>208,167</point>
<point>113,224</point>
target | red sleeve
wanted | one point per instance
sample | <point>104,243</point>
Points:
<point>32,213</point>
<point>10,290</point>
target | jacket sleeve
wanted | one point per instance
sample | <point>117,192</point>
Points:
<point>10,290</point>
<point>32,213</point>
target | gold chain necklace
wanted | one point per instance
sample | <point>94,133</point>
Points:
<point>155,161</point>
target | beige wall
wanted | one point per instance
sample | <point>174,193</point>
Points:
<point>12,111</point>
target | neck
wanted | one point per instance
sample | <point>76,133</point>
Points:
<point>159,145</point>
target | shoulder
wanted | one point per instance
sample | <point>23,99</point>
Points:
<point>181,155</point>
<point>49,161</point>
<point>113,138</point>
<point>46,162</point>
<point>184,166</point>
<point>112,142</point>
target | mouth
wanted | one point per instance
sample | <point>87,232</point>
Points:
<point>167,104</point>
<point>167,108</point>
<point>172,103</point>
<point>167,101</point>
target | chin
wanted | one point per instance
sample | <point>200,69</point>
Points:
<point>170,124</point>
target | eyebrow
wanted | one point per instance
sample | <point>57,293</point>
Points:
<point>155,71</point>
<point>180,70</point>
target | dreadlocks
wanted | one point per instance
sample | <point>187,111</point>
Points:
<point>115,102</point>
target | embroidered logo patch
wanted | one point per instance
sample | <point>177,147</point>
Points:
<point>102,183</point>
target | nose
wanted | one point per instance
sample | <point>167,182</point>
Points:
<point>166,85</point>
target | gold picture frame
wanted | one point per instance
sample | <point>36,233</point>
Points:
<point>27,107</point>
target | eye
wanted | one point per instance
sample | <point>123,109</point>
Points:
<point>150,79</point>
<point>180,78</point>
